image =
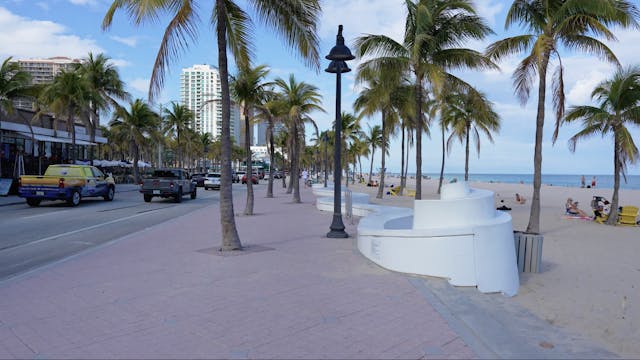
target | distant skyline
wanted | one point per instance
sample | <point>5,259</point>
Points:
<point>71,28</point>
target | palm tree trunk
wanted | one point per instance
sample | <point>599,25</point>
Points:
<point>466,155</point>
<point>442,162</point>
<point>402,179</point>
<point>72,129</point>
<point>271,160</point>
<point>94,123</point>
<point>292,142</point>
<point>296,164</point>
<point>373,153</point>
<point>136,155</point>
<point>284,166</point>
<point>230,238</point>
<point>534,216</point>
<point>613,213</point>
<point>418,137</point>
<point>248,210</point>
<point>384,151</point>
<point>406,169</point>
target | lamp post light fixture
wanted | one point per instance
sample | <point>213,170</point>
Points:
<point>338,55</point>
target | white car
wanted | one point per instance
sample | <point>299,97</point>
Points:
<point>212,181</point>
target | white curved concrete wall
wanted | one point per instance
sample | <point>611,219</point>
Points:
<point>461,238</point>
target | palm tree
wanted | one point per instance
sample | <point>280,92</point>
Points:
<point>379,97</point>
<point>137,123</point>
<point>619,106</point>
<point>105,88</point>
<point>270,109</point>
<point>468,114</point>
<point>360,148</point>
<point>14,83</point>
<point>205,140</point>
<point>177,120</point>
<point>67,96</point>
<point>433,31</point>
<point>552,25</point>
<point>374,139</point>
<point>299,99</point>
<point>247,88</point>
<point>295,20</point>
<point>281,139</point>
<point>351,131</point>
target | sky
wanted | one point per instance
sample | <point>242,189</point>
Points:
<point>47,28</point>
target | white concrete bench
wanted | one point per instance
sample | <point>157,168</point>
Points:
<point>460,237</point>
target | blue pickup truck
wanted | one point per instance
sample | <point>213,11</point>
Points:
<point>70,183</point>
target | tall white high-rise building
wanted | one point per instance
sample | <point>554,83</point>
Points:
<point>200,92</point>
<point>43,71</point>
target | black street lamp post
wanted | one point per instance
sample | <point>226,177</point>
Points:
<point>338,55</point>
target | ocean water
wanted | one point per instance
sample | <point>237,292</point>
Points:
<point>602,181</point>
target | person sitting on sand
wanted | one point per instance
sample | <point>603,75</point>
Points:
<point>503,207</point>
<point>572,208</point>
<point>603,209</point>
<point>520,199</point>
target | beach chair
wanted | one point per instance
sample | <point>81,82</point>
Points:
<point>410,192</point>
<point>628,215</point>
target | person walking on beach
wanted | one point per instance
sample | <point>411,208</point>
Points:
<point>593,182</point>
<point>582,182</point>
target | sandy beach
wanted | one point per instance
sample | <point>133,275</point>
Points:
<point>590,278</point>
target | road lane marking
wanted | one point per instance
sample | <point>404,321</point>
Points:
<point>77,231</point>
<point>45,214</point>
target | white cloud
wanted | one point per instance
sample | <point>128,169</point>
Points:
<point>366,17</point>
<point>26,38</point>
<point>129,41</point>
<point>84,2</point>
<point>624,48</point>
<point>140,84</point>
<point>120,62</point>
<point>489,9</point>
<point>43,5</point>
<point>580,92</point>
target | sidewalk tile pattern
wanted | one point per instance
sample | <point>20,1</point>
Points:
<point>155,294</point>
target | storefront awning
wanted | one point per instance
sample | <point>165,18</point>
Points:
<point>40,137</point>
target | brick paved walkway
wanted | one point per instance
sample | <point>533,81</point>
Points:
<point>165,293</point>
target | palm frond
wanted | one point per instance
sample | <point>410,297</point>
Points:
<point>296,22</point>
<point>558,99</point>
<point>592,46</point>
<point>379,46</point>
<point>463,58</point>
<point>181,29</point>
<point>509,46</point>
<point>239,28</point>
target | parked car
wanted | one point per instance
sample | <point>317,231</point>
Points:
<point>167,183</point>
<point>70,183</point>
<point>254,178</point>
<point>239,175</point>
<point>199,179</point>
<point>277,174</point>
<point>212,181</point>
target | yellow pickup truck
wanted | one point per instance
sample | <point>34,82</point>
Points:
<point>66,182</point>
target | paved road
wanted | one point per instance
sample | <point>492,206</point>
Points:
<point>33,237</point>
